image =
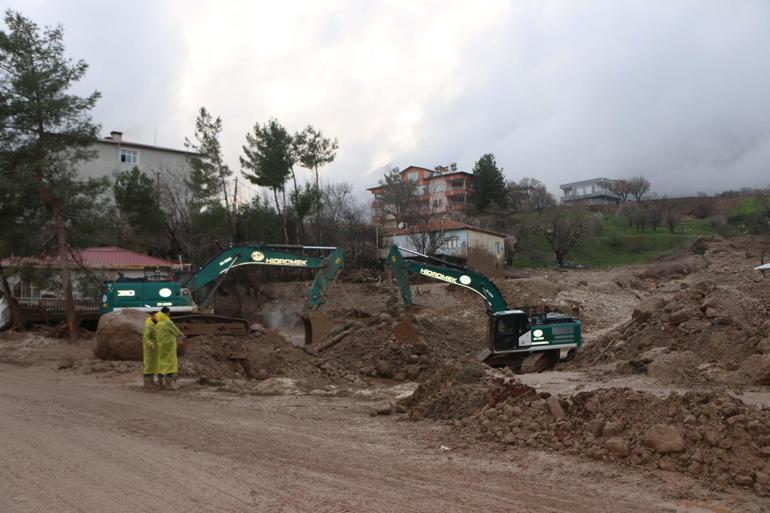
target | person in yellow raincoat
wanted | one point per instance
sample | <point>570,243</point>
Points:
<point>167,361</point>
<point>150,350</point>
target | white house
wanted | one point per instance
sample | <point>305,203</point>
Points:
<point>114,154</point>
<point>449,238</point>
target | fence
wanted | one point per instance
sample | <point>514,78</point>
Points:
<point>55,305</point>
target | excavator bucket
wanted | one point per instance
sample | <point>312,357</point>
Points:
<point>404,331</point>
<point>317,327</point>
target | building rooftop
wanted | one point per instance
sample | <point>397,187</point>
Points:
<point>106,257</point>
<point>438,225</point>
<point>584,182</point>
<point>116,138</point>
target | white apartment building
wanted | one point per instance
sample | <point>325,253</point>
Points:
<point>113,155</point>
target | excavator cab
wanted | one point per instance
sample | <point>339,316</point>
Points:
<point>505,328</point>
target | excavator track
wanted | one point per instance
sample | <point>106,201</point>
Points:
<point>193,325</point>
<point>539,362</point>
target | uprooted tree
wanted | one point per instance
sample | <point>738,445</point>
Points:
<point>46,130</point>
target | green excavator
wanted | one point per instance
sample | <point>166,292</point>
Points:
<point>156,291</point>
<point>525,342</point>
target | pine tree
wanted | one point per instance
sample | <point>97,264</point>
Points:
<point>46,130</point>
<point>267,161</point>
<point>208,171</point>
<point>314,150</point>
<point>488,183</point>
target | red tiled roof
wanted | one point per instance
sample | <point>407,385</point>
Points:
<point>438,225</point>
<point>107,257</point>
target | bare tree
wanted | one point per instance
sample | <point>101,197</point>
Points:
<point>563,228</point>
<point>397,196</point>
<point>638,186</point>
<point>655,215</point>
<point>530,195</point>
<point>670,215</point>
<point>621,188</point>
<point>426,232</point>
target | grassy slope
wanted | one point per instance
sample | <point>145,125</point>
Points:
<point>616,245</point>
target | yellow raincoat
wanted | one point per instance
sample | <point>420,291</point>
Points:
<point>150,347</point>
<point>167,334</point>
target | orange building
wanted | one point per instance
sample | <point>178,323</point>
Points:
<point>440,190</point>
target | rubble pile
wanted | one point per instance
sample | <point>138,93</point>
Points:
<point>686,336</point>
<point>259,356</point>
<point>459,389</point>
<point>705,435</point>
<point>375,347</point>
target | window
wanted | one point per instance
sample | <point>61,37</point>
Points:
<point>452,242</point>
<point>457,184</point>
<point>412,177</point>
<point>129,156</point>
<point>438,187</point>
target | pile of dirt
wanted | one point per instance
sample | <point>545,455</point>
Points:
<point>458,389</point>
<point>682,337</point>
<point>705,435</point>
<point>373,348</point>
<point>260,356</point>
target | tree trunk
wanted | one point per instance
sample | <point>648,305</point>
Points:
<point>69,301</point>
<point>17,318</point>
<point>61,233</point>
<point>318,240</point>
<point>281,212</point>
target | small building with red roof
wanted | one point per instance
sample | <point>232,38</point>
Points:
<point>33,277</point>
<point>448,238</point>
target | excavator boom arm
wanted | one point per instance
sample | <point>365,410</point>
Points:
<point>272,256</point>
<point>466,277</point>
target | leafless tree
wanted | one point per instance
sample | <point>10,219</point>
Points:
<point>529,195</point>
<point>563,228</point>
<point>638,186</point>
<point>670,214</point>
<point>655,215</point>
<point>426,233</point>
<point>397,196</point>
<point>620,188</point>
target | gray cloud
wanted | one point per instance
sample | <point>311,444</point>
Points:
<point>561,91</point>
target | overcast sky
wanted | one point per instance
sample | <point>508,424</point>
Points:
<point>678,91</point>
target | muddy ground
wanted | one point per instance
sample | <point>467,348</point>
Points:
<point>665,409</point>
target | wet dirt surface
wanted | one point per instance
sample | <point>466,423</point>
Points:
<point>312,431</point>
<point>75,442</point>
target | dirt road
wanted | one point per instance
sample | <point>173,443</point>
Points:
<point>79,443</point>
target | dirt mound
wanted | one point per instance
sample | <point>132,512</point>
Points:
<point>259,356</point>
<point>460,388</point>
<point>372,349</point>
<point>713,437</point>
<point>668,269</point>
<point>703,324</point>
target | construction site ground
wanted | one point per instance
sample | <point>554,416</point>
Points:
<point>666,408</point>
